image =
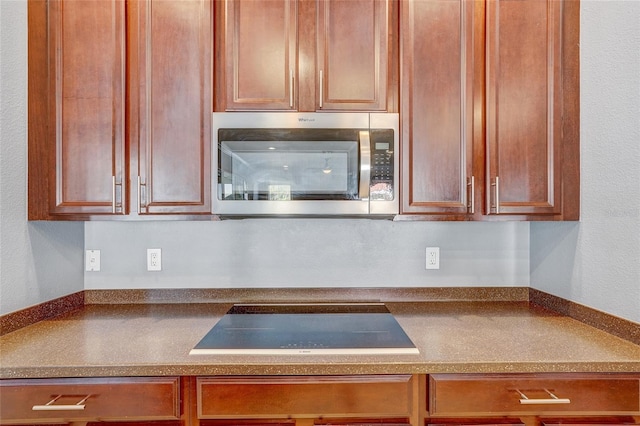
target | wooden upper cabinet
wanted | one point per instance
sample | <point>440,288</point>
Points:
<point>490,109</point>
<point>523,107</point>
<point>437,92</point>
<point>120,101</point>
<point>302,55</point>
<point>170,57</point>
<point>86,106</point>
<point>352,54</point>
<point>260,51</point>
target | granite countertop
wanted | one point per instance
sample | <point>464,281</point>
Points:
<point>453,337</point>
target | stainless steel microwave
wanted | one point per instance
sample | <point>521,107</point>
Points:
<point>305,164</point>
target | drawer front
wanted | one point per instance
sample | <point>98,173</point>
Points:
<point>88,399</point>
<point>314,396</point>
<point>463,395</point>
<point>474,422</point>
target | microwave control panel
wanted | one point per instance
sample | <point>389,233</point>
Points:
<point>382,165</point>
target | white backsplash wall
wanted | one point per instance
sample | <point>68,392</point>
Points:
<point>308,253</point>
<point>597,262</point>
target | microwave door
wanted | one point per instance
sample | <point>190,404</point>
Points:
<point>294,177</point>
<point>316,170</point>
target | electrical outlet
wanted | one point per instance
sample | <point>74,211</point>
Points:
<point>154,259</point>
<point>92,261</point>
<point>433,258</point>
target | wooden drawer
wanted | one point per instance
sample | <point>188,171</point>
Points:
<point>476,422</point>
<point>479,395</point>
<point>298,396</point>
<point>607,421</point>
<point>363,422</point>
<point>88,399</point>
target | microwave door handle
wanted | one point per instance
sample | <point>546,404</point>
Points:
<point>365,164</point>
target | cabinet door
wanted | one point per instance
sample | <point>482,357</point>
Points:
<point>385,396</point>
<point>437,92</point>
<point>352,54</point>
<point>524,107</point>
<point>170,45</point>
<point>38,401</point>
<point>465,395</point>
<point>86,42</point>
<point>260,48</point>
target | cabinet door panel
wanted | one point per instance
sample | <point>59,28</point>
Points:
<point>352,54</point>
<point>523,107</point>
<point>261,46</point>
<point>316,396</point>
<point>173,42</point>
<point>87,71</point>
<point>437,103</point>
<point>455,395</point>
<point>89,399</point>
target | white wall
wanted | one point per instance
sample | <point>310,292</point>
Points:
<point>597,262</point>
<point>38,261</point>
<point>308,253</point>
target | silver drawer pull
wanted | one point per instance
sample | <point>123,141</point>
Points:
<point>553,400</point>
<point>50,406</point>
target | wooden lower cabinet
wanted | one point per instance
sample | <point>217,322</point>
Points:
<point>555,399</point>
<point>86,400</point>
<point>318,400</point>
<point>532,399</point>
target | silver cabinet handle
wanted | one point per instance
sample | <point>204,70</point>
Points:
<point>471,205</point>
<point>114,204</point>
<point>321,88</point>
<point>113,194</point>
<point>496,186</point>
<point>497,195</point>
<point>365,164</point>
<point>140,185</point>
<point>50,406</point>
<point>138,195</point>
<point>524,399</point>
<point>291,89</point>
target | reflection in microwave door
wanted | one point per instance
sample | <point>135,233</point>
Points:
<point>279,192</point>
<point>381,191</point>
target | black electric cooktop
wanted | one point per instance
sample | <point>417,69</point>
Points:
<point>326,328</point>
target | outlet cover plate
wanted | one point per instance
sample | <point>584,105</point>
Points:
<point>92,261</point>
<point>432,258</point>
<point>154,259</point>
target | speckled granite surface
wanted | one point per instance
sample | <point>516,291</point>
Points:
<point>465,337</point>
<point>43,311</point>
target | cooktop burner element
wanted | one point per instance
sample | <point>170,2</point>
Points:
<point>326,328</point>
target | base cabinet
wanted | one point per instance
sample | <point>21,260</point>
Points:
<point>533,399</point>
<point>552,399</point>
<point>345,399</point>
<point>85,400</point>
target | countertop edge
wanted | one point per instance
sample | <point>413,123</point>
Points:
<point>350,369</point>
